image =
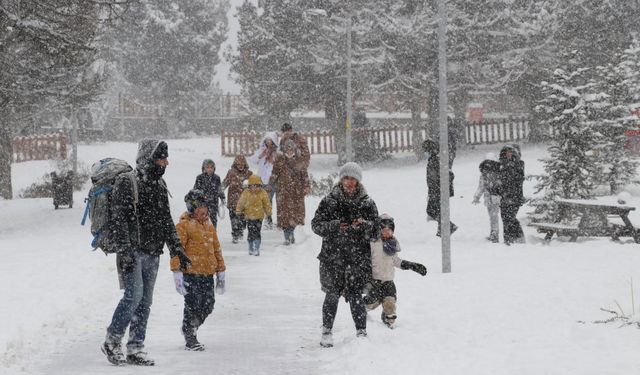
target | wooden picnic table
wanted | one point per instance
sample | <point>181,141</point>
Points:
<point>594,220</point>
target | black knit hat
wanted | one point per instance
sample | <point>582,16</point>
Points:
<point>161,152</point>
<point>386,221</point>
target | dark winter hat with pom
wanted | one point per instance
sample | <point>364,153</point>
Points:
<point>195,198</point>
<point>386,221</point>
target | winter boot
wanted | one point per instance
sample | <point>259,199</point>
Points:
<point>493,237</point>
<point>256,247</point>
<point>193,344</point>
<point>327,338</point>
<point>292,238</point>
<point>251,250</point>
<point>361,333</point>
<point>114,354</point>
<point>140,359</point>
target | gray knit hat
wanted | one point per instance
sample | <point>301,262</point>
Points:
<point>351,169</point>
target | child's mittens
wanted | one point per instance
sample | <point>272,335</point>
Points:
<point>220,283</point>
<point>415,267</point>
<point>179,281</point>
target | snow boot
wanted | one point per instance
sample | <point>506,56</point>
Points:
<point>361,333</point>
<point>251,250</point>
<point>114,354</point>
<point>140,359</point>
<point>327,338</point>
<point>493,237</point>
<point>256,247</point>
<point>193,345</point>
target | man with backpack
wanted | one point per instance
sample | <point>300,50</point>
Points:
<point>141,224</point>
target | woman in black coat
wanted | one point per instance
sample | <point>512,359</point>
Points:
<point>347,220</point>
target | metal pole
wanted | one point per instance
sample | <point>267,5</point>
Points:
<point>74,139</point>
<point>349,147</point>
<point>445,228</point>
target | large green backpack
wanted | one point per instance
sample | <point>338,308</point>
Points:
<point>98,208</point>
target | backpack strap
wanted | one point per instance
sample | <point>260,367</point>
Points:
<point>92,195</point>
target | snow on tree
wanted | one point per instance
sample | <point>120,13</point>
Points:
<point>570,167</point>
<point>48,60</point>
<point>166,51</point>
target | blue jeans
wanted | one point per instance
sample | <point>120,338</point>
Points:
<point>134,307</point>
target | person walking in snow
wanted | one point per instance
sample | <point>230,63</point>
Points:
<point>433,183</point>
<point>384,257</point>
<point>347,221</point>
<point>263,159</point>
<point>489,189</point>
<point>235,177</point>
<point>287,133</point>
<point>142,226</point>
<point>511,196</point>
<point>199,237</point>
<point>291,181</point>
<point>253,206</point>
<point>209,183</point>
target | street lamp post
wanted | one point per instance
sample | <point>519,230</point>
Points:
<point>445,228</point>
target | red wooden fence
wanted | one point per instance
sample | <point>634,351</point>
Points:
<point>390,139</point>
<point>39,147</point>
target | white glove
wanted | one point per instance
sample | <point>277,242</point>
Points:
<point>220,283</point>
<point>179,281</point>
<point>475,201</point>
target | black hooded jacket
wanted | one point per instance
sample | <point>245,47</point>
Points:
<point>147,225</point>
<point>511,177</point>
<point>351,246</point>
<point>211,185</point>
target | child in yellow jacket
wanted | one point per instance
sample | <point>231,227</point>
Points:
<point>254,205</point>
<point>200,241</point>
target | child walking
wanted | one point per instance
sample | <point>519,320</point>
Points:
<point>254,205</point>
<point>235,177</point>
<point>489,188</point>
<point>200,241</point>
<point>384,257</point>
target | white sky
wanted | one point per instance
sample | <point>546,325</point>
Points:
<point>222,70</point>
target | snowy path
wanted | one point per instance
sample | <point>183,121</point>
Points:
<point>523,309</point>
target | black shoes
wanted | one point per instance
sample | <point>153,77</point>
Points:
<point>114,353</point>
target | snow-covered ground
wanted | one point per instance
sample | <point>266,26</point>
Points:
<point>524,309</point>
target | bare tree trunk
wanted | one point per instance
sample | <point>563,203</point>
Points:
<point>335,113</point>
<point>6,156</point>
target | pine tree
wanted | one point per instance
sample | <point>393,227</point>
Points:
<point>570,167</point>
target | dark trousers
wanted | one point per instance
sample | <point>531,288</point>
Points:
<point>237,224</point>
<point>213,215</point>
<point>510,224</point>
<point>253,228</point>
<point>356,303</point>
<point>433,210</point>
<point>198,302</point>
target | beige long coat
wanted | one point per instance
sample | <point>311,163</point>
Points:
<point>291,179</point>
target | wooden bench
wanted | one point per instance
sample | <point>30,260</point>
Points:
<point>559,229</point>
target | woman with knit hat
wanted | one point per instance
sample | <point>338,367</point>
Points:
<point>347,220</point>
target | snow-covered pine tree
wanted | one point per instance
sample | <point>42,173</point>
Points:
<point>570,166</point>
<point>608,112</point>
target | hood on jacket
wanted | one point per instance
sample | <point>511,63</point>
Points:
<point>513,149</point>
<point>273,136</point>
<point>206,162</point>
<point>254,179</point>
<point>240,163</point>
<point>150,150</point>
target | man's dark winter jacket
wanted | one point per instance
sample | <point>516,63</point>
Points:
<point>211,185</point>
<point>147,225</point>
<point>350,247</point>
<point>433,177</point>
<point>511,177</point>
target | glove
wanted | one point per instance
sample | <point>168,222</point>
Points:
<point>185,262</point>
<point>475,201</point>
<point>126,260</point>
<point>415,267</point>
<point>220,283</point>
<point>179,281</point>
